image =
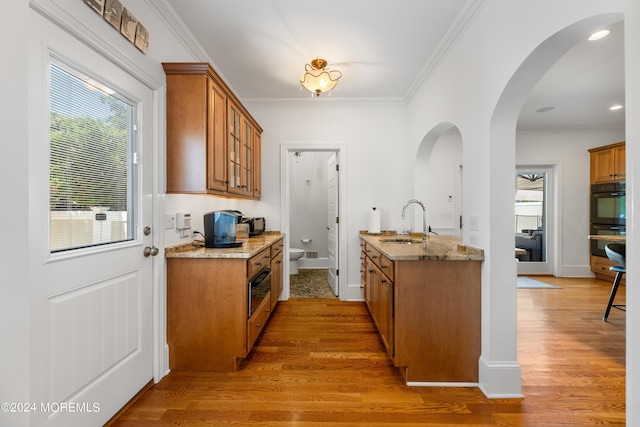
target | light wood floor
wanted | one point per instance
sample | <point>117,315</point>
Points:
<point>320,363</point>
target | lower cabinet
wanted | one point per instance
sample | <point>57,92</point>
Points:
<point>276,272</point>
<point>427,313</point>
<point>208,327</point>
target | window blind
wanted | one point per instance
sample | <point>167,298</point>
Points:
<point>90,162</point>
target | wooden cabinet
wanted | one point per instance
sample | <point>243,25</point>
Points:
<point>608,163</point>
<point>378,285</point>
<point>211,138</point>
<point>242,142</point>
<point>208,328</point>
<point>427,313</point>
<point>276,272</point>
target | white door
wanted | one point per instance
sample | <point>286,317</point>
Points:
<point>91,306</point>
<point>332,222</point>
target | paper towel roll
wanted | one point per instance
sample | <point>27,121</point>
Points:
<point>374,221</point>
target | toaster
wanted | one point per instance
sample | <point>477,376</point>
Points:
<point>256,225</point>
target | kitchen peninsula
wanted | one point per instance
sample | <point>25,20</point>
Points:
<point>209,323</point>
<point>425,302</point>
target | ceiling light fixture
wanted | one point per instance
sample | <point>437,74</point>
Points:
<point>317,78</point>
<point>598,35</point>
<point>616,107</point>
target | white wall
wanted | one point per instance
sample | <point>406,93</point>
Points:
<point>568,149</point>
<point>377,169</point>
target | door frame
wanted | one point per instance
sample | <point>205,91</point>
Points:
<point>285,161</point>
<point>551,216</point>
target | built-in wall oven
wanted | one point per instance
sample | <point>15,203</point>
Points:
<point>259,287</point>
<point>608,213</point>
<point>597,246</point>
<point>608,204</point>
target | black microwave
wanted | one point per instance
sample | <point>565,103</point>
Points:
<point>608,204</point>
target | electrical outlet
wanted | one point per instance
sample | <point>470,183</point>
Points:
<point>169,221</point>
<point>474,239</point>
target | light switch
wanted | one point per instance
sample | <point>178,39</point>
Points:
<point>169,221</point>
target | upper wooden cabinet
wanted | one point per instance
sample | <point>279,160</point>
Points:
<point>608,163</point>
<point>211,138</point>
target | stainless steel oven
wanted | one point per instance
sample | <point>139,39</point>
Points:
<point>597,246</point>
<point>259,287</point>
<point>608,204</point>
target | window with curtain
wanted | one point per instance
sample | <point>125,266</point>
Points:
<point>91,140</point>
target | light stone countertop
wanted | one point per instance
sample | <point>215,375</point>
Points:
<point>607,238</point>
<point>250,247</point>
<point>438,247</point>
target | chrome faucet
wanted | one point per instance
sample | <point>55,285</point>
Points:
<point>424,217</point>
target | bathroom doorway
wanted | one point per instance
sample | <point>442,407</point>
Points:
<point>312,189</point>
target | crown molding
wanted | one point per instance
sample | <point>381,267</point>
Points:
<point>323,102</point>
<point>181,32</point>
<point>461,22</point>
<point>179,29</point>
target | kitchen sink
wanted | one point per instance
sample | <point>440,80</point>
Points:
<point>401,241</point>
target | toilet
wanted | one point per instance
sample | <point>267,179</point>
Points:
<point>294,255</point>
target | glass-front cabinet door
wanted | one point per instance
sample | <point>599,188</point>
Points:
<point>235,150</point>
<point>247,158</point>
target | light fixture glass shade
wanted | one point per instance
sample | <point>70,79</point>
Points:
<point>317,79</point>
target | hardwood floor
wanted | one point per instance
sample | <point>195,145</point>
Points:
<point>320,362</point>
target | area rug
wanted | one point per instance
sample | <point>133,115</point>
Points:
<point>529,283</point>
<point>310,283</point>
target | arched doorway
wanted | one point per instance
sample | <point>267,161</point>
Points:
<point>438,171</point>
<point>499,296</point>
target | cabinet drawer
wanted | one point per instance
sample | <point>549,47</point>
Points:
<point>386,265</point>
<point>256,323</point>
<point>276,248</point>
<point>373,253</point>
<point>601,265</point>
<point>258,262</point>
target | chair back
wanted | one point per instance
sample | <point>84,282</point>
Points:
<point>616,252</point>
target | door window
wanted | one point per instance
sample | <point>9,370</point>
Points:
<point>91,146</point>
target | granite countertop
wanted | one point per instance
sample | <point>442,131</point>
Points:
<point>250,247</point>
<point>608,238</point>
<point>438,247</point>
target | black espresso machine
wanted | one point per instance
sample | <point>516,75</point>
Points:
<point>220,229</point>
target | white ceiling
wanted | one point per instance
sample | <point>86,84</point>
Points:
<point>384,49</point>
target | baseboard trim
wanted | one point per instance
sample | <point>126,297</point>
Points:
<point>500,380</point>
<point>441,384</point>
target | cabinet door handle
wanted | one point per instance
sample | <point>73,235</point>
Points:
<point>258,325</point>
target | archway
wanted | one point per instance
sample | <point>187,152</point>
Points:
<point>499,295</point>
<point>437,178</point>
